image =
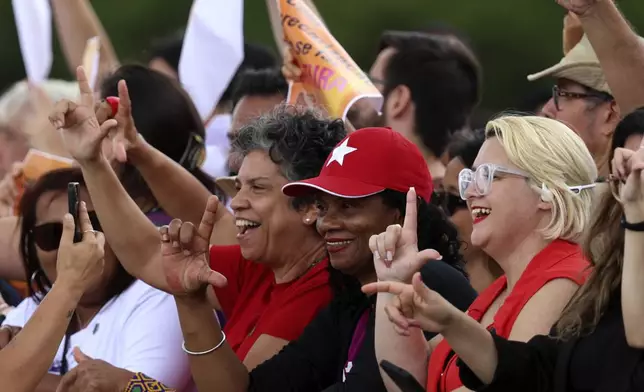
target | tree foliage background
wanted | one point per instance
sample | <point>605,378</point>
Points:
<point>512,37</point>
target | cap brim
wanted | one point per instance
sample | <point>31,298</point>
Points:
<point>563,70</point>
<point>227,184</point>
<point>336,186</point>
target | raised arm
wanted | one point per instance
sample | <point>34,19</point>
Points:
<point>132,236</point>
<point>620,52</point>
<point>178,192</point>
<point>396,259</point>
<point>627,166</point>
<point>76,22</point>
<point>35,346</point>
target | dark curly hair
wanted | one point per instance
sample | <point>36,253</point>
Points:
<point>298,140</point>
<point>435,231</point>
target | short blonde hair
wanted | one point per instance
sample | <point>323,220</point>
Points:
<point>552,154</point>
<point>17,96</point>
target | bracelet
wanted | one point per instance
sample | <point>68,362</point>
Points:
<point>223,339</point>
<point>639,227</point>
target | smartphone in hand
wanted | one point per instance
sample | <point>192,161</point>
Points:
<point>403,379</point>
<point>73,200</point>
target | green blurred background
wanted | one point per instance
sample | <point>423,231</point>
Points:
<point>512,37</point>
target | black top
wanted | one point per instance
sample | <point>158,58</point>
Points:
<point>316,361</point>
<point>599,362</point>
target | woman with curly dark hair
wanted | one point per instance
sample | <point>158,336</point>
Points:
<point>277,275</point>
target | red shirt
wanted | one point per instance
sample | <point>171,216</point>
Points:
<point>560,259</point>
<point>255,305</point>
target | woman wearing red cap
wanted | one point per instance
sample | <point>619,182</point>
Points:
<point>530,198</point>
<point>360,191</point>
<point>273,296</point>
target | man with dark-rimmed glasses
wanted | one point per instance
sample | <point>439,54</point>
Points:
<point>582,99</point>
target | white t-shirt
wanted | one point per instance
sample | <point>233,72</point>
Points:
<point>138,331</point>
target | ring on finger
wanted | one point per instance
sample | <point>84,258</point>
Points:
<point>90,231</point>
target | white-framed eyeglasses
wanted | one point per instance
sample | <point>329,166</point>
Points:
<point>481,179</point>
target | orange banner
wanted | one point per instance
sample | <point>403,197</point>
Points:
<point>35,164</point>
<point>330,77</point>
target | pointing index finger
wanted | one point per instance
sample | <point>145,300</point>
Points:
<point>207,224</point>
<point>395,288</point>
<point>86,92</point>
<point>125,104</point>
<point>411,212</point>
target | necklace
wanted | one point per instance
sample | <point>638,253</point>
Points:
<point>82,325</point>
<point>313,264</point>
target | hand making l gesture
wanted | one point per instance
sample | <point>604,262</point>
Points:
<point>414,305</point>
<point>83,135</point>
<point>185,254</point>
<point>395,252</point>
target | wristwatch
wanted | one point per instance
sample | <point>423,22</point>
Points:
<point>632,226</point>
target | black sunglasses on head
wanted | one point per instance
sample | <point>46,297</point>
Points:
<point>449,202</point>
<point>47,236</point>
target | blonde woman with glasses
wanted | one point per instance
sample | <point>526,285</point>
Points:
<point>528,194</point>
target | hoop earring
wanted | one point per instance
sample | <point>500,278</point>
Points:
<point>33,276</point>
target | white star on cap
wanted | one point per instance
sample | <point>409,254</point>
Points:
<point>340,152</point>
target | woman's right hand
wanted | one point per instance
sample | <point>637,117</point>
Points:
<point>82,134</point>
<point>185,254</point>
<point>395,252</point>
<point>80,265</point>
<point>414,305</point>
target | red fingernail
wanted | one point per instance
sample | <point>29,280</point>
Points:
<point>114,103</point>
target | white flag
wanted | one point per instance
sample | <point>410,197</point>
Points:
<point>213,49</point>
<point>33,20</point>
<point>91,60</point>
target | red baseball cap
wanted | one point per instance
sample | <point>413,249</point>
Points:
<point>367,162</point>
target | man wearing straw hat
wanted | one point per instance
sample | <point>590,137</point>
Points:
<point>582,99</point>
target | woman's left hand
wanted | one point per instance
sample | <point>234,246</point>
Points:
<point>395,252</point>
<point>94,375</point>
<point>414,305</point>
<point>627,167</point>
<point>290,69</point>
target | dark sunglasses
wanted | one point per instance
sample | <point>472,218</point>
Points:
<point>449,202</point>
<point>47,236</point>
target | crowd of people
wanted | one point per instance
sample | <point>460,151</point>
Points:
<point>272,247</point>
